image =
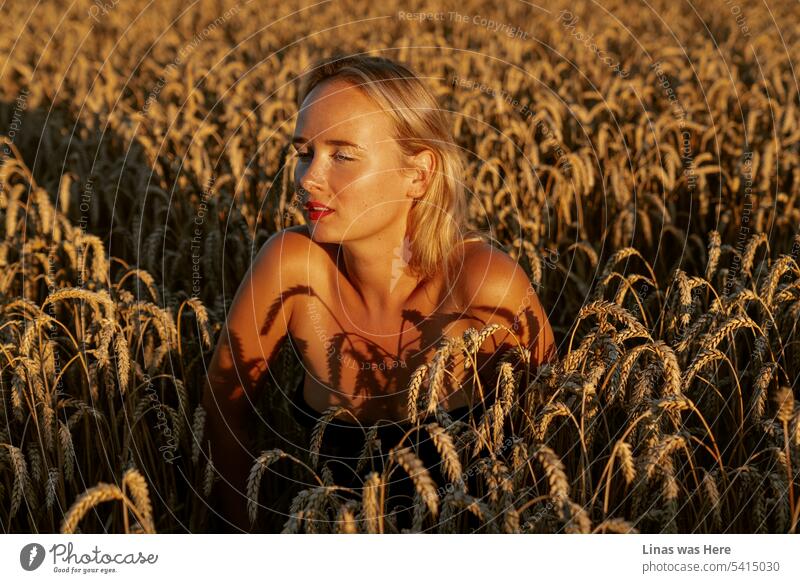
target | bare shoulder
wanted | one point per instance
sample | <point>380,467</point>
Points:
<point>490,277</point>
<point>296,232</point>
<point>261,312</point>
<point>494,289</point>
<point>294,238</point>
<point>286,254</point>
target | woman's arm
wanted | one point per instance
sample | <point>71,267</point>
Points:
<point>257,321</point>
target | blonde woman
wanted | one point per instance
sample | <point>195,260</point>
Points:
<point>381,272</point>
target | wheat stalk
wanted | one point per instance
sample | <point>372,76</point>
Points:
<point>263,461</point>
<point>554,470</point>
<point>438,367</point>
<point>616,526</point>
<point>65,439</point>
<point>202,320</point>
<point>346,518</point>
<point>625,454</point>
<point>198,427</point>
<point>134,482</point>
<point>319,429</point>
<point>371,503</point>
<point>94,299</point>
<point>413,392</point>
<point>123,360</point>
<point>95,495</point>
<point>729,326</point>
<point>447,450</point>
<point>661,451</point>
<point>709,488</point>
<point>369,442</point>
<point>423,482</point>
<point>22,483</point>
<point>209,476</point>
<point>714,253</point>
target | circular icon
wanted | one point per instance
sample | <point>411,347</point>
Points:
<point>31,556</point>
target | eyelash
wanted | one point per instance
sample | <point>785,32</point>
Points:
<point>342,158</point>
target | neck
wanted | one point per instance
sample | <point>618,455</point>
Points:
<point>377,268</point>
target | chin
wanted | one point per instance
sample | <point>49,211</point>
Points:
<point>319,234</point>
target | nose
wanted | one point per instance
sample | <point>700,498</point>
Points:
<point>311,179</point>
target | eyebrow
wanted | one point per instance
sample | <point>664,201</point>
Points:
<point>302,140</point>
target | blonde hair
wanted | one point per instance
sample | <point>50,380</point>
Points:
<point>437,220</point>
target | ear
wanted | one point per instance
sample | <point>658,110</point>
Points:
<point>423,165</point>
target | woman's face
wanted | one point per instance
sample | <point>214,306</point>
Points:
<point>348,161</point>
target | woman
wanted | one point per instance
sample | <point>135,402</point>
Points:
<point>381,272</point>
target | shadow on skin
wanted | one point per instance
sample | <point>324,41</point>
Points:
<point>239,382</point>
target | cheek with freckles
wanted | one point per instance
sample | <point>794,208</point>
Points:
<point>364,215</point>
<point>375,197</point>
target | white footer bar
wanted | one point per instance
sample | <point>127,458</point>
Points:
<point>406,558</point>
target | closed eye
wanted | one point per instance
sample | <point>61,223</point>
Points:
<point>336,156</point>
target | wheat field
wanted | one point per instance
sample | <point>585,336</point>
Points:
<point>647,178</point>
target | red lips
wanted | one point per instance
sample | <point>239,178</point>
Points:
<point>316,210</point>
